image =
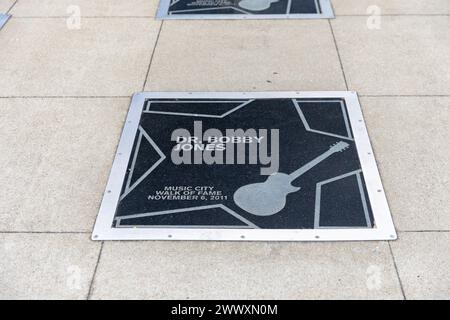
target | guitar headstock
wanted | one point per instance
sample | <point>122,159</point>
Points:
<point>339,146</point>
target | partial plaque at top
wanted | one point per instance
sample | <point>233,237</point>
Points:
<point>245,9</point>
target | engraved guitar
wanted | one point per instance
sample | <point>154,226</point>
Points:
<point>256,5</point>
<point>269,197</point>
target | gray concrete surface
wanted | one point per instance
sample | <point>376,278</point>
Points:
<point>410,135</point>
<point>399,7</point>
<point>5,5</point>
<point>405,56</point>
<point>105,57</point>
<point>46,266</point>
<point>245,56</point>
<point>64,93</point>
<point>423,263</point>
<point>57,154</point>
<point>88,8</point>
<point>197,270</point>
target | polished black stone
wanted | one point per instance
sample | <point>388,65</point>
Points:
<point>252,7</point>
<point>307,128</point>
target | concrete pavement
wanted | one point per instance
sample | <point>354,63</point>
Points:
<point>65,86</point>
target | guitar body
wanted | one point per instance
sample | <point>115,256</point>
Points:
<point>269,197</point>
<point>266,198</point>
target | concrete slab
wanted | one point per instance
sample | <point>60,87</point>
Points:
<point>88,8</point>
<point>410,138</point>
<point>105,57</point>
<point>46,266</point>
<point>54,171</point>
<point>5,5</point>
<point>423,263</point>
<point>57,154</point>
<point>199,270</point>
<point>245,56</point>
<point>19,164</point>
<point>406,56</point>
<point>348,7</point>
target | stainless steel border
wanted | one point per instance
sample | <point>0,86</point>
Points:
<point>163,9</point>
<point>383,230</point>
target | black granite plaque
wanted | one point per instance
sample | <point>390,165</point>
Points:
<point>243,163</point>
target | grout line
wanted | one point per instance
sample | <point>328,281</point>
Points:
<point>84,17</point>
<point>403,95</point>
<point>396,15</point>
<point>396,270</point>
<point>63,97</point>
<point>423,231</point>
<point>10,8</point>
<point>89,232</point>
<point>152,55</point>
<point>339,54</point>
<point>44,232</point>
<point>128,97</point>
<point>91,286</point>
<point>153,16</point>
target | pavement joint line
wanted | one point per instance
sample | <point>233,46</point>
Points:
<point>146,17</point>
<point>127,97</point>
<point>91,285</point>
<point>152,55</point>
<point>44,232</point>
<point>423,231</point>
<point>84,17</point>
<point>12,6</point>
<point>63,97</point>
<point>403,95</point>
<point>339,54</point>
<point>89,232</point>
<point>396,271</point>
<point>397,15</point>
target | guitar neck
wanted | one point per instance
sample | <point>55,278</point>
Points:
<point>297,173</point>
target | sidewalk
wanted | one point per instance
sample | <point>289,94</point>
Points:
<point>64,94</point>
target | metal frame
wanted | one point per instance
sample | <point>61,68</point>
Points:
<point>383,230</point>
<point>162,14</point>
<point>3,19</point>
